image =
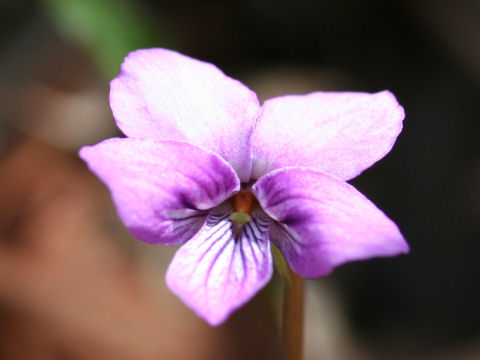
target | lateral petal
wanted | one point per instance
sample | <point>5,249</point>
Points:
<point>161,94</point>
<point>340,133</point>
<point>323,222</point>
<point>216,272</point>
<point>162,189</point>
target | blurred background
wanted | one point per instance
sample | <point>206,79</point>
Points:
<point>75,285</point>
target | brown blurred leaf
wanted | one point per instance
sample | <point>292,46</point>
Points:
<point>63,273</point>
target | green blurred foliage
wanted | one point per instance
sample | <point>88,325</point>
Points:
<point>108,29</point>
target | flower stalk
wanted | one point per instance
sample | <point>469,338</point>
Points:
<point>293,315</point>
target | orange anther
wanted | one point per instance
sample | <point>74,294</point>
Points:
<point>244,201</point>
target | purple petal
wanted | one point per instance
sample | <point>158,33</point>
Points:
<point>324,222</point>
<point>161,94</point>
<point>339,133</point>
<point>215,273</point>
<point>162,189</point>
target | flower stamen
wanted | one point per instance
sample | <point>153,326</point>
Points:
<point>244,201</point>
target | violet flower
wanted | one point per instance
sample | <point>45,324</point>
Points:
<point>204,165</point>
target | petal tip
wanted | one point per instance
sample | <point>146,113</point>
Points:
<point>212,318</point>
<point>404,248</point>
<point>85,152</point>
<point>391,100</point>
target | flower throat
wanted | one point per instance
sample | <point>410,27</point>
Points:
<point>244,203</point>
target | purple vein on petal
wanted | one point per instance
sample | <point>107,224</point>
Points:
<point>249,232</point>
<point>228,228</point>
<point>219,253</point>
<point>215,259</point>
<point>250,243</point>
<point>213,220</point>
<point>288,234</point>
<point>244,262</point>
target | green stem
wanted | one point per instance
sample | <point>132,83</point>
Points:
<point>293,318</point>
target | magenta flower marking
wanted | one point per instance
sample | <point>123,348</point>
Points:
<point>205,166</point>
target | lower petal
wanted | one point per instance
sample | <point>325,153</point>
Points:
<point>216,272</point>
<point>323,222</point>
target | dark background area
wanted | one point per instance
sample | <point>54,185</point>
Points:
<point>424,305</point>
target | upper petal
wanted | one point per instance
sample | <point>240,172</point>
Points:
<point>162,190</point>
<point>338,133</point>
<point>215,273</point>
<point>323,221</point>
<point>161,94</point>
